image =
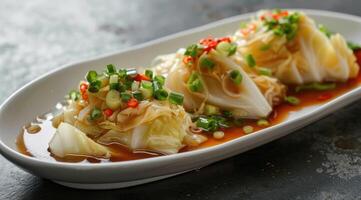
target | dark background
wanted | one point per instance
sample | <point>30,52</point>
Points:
<point>321,161</point>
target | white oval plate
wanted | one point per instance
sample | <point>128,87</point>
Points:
<point>42,94</point>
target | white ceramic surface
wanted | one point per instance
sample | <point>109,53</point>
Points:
<point>42,94</point>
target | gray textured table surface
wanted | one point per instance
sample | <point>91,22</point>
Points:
<point>321,161</point>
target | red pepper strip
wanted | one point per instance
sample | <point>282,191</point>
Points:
<point>108,112</point>
<point>187,60</point>
<point>250,28</point>
<point>210,46</point>
<point>84,96</point>
<point>206,41</point>
<point>83,87</point>
<point>141,77</point>
<point>133,103</point>
<point>83,91</point>
<point>324,96</point>
<point>224,39</point>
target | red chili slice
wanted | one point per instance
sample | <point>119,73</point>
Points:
<point>224,39</point>
<point>133,103</point>
<point>187,60</point>
<point>141,77</point>
<point>83,87</point>
<point>108,112</point>
<point>210,46</point>
<point>206,41</point>
<point>324,96</point>
<point>85,96</point>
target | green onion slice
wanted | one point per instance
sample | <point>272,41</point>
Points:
<point>236,76</point>
<point>160,79</point>
<point>111,69</point>
<point>192,50</point>
<point>206,63</point>
<point>125,96</point>
<point>176,98</point>
<point>316,86</point>
<point>160,94</point>
<point>91,76</point>
<point>74,95</point>
<point>94,86</point>
<point>251,62</point>
<point>264,71</point>
<point>149,73</point>
<point>96,113</point>
<point>292,100</point>
<point>138,95</point>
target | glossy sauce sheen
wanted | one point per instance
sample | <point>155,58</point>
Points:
<point>37,144</point>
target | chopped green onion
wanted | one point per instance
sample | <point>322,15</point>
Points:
<point>147,92</point>
<point>160,79</point>
<point>196,86</point>
<point>128,83</point>
<point>104,80</point>
<point>111,69</point>
<point>212,123</point>
<point>176,98</point>
<point>122,73</point>
<point>211,110</point>
<point>125,96</point>
<point>265,47</point>
<point>206,63</point>
<point>286,25</point>
<point>316,86</point>
<point>292,32</point>
<point>223,48</point>
<point>248,129</point>
<point>207,124</point>
<point>114,86</point>
<point>138,95</point>
<point>192,50</point>
<point>236,76</point>
<point>251,62</point>
<point>94,86</point>
<point>113,79</point>
<point>324,30</point>
<point>146,84</point>
<point>278,31</point>
<point>232,50</point>
<point>194,83</point>
<point>160,94</point>
<point>292,100</point>
<point>95,113</point>
<point>353,46</point>
<point>149,73</point>
<point>265,71</point>
<point>135,86</point>
<point>226,48</point>
<point>227,113</point>
<point>112,100</point>
<point>91,76</point>
<point>262,122</point>
<point>74,95</point>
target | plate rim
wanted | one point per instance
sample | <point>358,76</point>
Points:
<point>11,154</point>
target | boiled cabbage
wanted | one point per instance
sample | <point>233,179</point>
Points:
<point>245,100</point>
<point>307,55</point>
<point>69,140</point>
<point>153,126</point>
